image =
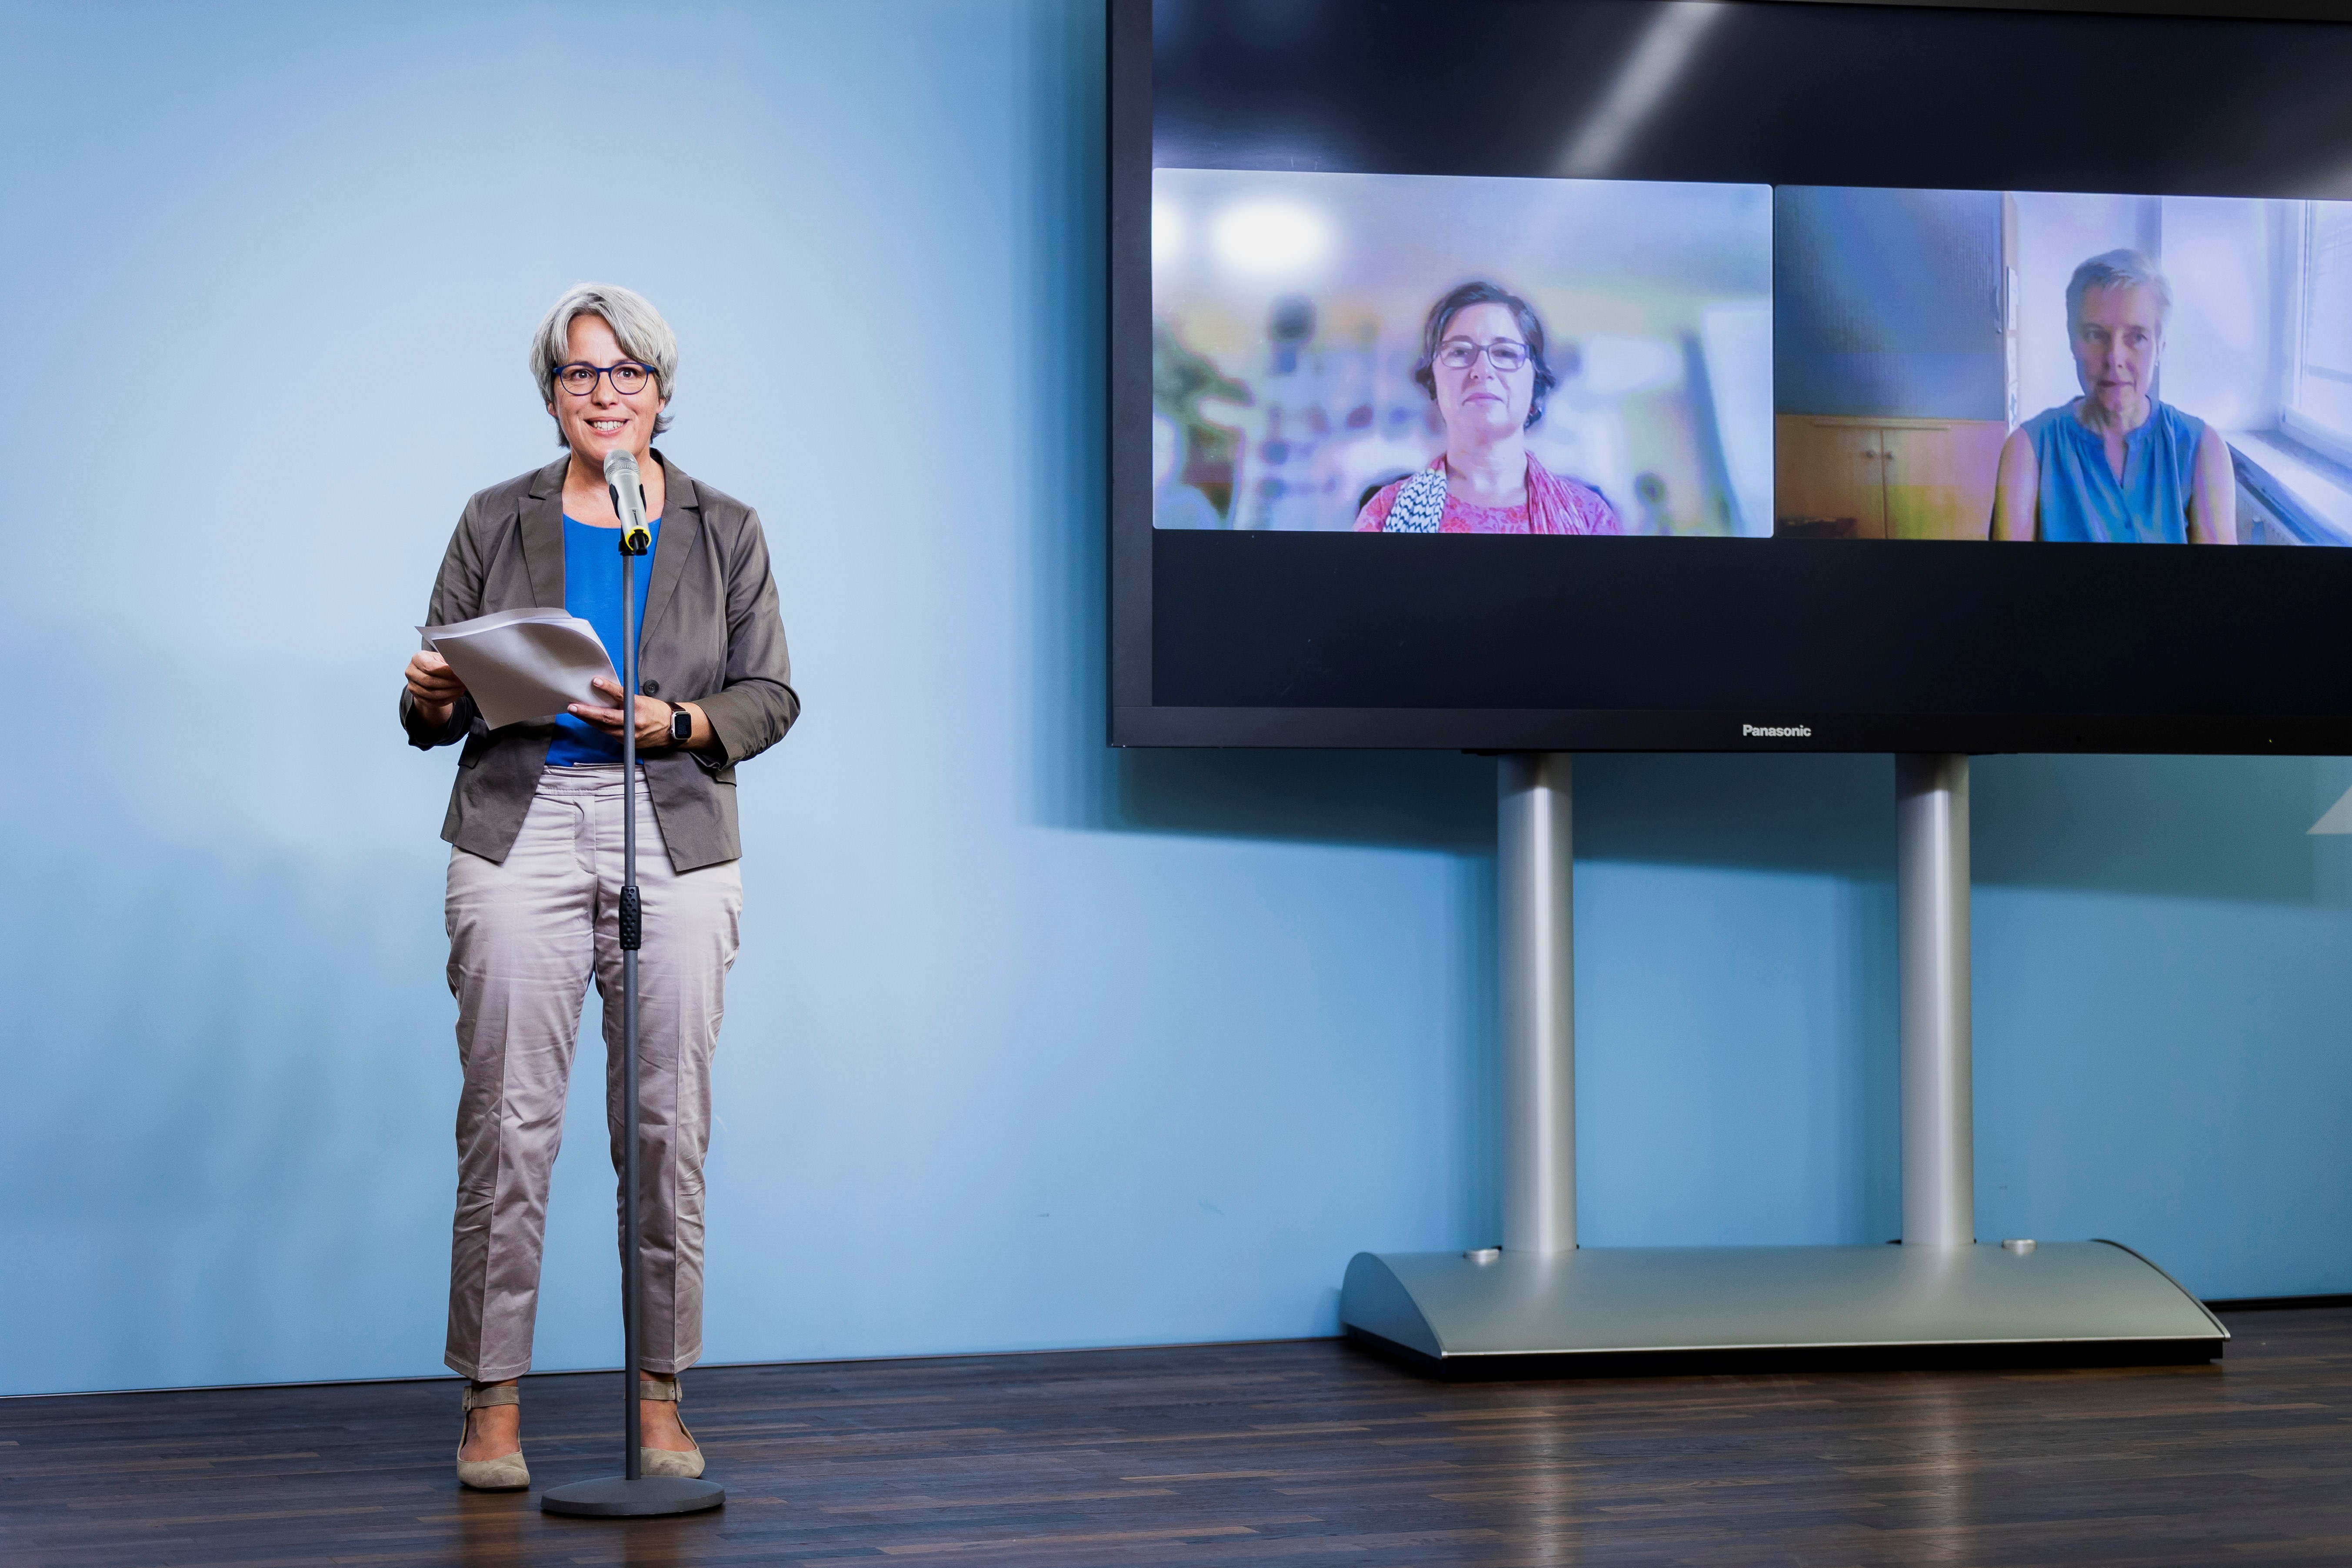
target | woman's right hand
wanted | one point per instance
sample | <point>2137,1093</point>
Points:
<point>434,687</point>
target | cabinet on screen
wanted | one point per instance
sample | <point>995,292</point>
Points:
<point>1841,477</point>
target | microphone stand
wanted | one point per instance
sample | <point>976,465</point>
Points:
<point>633,1493</point>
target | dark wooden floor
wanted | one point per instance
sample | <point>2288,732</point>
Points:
<point>1248,1455</point>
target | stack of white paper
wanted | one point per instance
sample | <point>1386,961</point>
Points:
<point>525,663</point>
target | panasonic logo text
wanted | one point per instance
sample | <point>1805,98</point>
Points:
<point>1777,732</point>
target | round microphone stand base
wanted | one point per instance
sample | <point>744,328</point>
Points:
<point>618,1497</point>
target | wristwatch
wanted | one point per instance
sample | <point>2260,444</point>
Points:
<point>681,726</point>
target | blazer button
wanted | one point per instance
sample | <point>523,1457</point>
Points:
<point>650,688</point>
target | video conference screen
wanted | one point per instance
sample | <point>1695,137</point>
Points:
<point>1321,339</point>
<point>1738,361</point>
<point>1738,444</point>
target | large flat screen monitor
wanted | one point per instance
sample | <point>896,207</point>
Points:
<point>1729,374</point>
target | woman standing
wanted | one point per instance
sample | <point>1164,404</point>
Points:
<point>534,826</point>
<point>1482,362</point>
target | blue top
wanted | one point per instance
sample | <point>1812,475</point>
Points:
<point>591,590</point>
<point>2081,501</point>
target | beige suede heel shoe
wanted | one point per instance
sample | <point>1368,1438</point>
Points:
<point>506,1473</point>
<point>663,1461</point>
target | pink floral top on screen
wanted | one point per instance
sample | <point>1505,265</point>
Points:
<point>1555,505</point>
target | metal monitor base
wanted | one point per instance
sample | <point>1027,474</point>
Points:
<point>1619,1309</point>
<point>618,1497</point>
<point>1538,1304</point>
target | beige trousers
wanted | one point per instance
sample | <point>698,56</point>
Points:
<point>525,936</point>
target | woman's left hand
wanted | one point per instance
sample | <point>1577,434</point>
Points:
<point>653,716</point>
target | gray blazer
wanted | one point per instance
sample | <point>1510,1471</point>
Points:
<point>711,637</point>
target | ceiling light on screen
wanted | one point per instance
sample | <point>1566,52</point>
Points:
<point>1642,83</point>
<point>1271,236</point>
<point>1166,233</point>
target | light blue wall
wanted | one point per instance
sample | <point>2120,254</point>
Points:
<point>1031,1044</point>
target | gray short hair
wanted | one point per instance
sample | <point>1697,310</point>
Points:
<point>638,328</point>
<point>2117,269</point>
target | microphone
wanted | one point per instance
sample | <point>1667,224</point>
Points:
<point>629,492</point>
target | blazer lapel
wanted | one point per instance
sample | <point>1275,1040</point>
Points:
<point>543,534</point>
<point>681,523</point>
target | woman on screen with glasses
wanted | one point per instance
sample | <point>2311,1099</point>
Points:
<point>535,830</point>
<point>1482,360</point>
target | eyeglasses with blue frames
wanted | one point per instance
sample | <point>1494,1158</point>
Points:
<point>1503,353</point>
<point>579,378</point>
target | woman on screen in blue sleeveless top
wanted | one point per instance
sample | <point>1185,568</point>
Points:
<point>2116,465</point>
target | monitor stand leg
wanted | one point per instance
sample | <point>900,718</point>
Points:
<point>1931,826</point>
<point>1535,878</point>
<point>1540,1303</point>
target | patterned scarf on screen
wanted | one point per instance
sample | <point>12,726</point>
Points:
<point>1553,507</point>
